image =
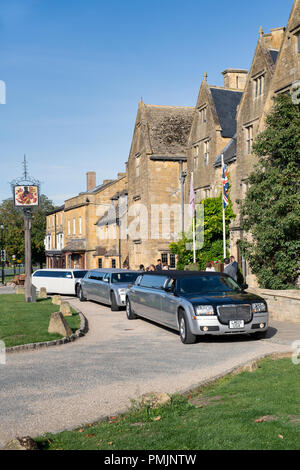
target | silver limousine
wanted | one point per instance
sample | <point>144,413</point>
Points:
<point>108,286</point>
<point>197,303</point>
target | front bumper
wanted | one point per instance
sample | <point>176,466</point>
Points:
<point>217,328</point>
<point>121,299</point>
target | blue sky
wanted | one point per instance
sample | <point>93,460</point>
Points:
<point>75,70</point>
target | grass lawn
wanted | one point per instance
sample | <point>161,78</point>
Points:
<point>23,323</point>
<point>219,416</point>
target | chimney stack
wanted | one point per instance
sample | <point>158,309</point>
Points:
<point>235,79</point>
<point>90,180</point>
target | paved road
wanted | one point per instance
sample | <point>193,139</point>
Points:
<point>118,360</point>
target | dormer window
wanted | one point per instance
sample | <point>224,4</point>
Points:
<point>259,85</point>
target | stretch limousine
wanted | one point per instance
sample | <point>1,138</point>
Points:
<point>108,286</point>
<point>58,281</point>
<point>197,303</point>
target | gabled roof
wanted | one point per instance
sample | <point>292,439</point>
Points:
<point>226,102</point>
<point>168,128</point>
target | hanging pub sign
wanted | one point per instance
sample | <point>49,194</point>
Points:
<point>26,196</point>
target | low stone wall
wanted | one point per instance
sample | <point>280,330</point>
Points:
<point>284,305</point>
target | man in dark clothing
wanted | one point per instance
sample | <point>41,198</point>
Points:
<point>229,269</point>
<point>235,266</point>
<point>158,267</point>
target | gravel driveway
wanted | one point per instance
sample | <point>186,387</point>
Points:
<point>118,360</point>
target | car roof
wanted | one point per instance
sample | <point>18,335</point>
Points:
<point>61,269</point>
<point>114,270</point>
<point>175,274</point>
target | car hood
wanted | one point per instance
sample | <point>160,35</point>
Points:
<point>224,299</point>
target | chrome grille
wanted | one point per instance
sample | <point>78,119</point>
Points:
<point>234,312</point>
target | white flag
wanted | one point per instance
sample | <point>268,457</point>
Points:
<point>192,198</point>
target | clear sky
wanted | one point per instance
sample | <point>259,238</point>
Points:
<point>75,70</point>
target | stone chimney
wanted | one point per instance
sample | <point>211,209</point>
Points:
<point>235,79</point>
<point>90,180</point>
<point>273,40</point>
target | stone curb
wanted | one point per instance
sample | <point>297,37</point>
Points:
<point>83,329</point>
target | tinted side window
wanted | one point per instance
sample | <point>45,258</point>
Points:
<point>154,282</point>
<point>37,274</point>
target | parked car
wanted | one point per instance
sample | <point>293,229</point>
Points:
<point>197,303</point>
<point>108,286</point>
<point>58,281</point>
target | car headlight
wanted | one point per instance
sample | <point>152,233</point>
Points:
<point>122,291</point>
<point>204,310</point>
<point>259,307</point>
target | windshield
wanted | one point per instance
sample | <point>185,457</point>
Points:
<point>79,274</point>
<point>126,278</point>
<point>207,285</point>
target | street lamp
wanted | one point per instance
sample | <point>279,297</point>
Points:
<point>2,253</point>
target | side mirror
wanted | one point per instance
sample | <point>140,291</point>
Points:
<point>168,289</point>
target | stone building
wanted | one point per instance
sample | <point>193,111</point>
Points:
<point>54,241</point>
<point>112,234</point>
<point>78,245</point>
<point>287,72</point>
<point>156,162</point>
<point>249,115</point>
<point>213,129</point>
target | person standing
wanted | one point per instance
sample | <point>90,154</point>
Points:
<point>165,266</point>
<point>229,269</point>
<point>158,267</point>
<point>210,268</point>
<point>235,266</point>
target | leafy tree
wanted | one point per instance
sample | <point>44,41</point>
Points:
<point>212,249</point>
<point>13,222</point>
<point>271,210</point>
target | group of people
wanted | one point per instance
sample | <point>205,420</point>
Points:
<point>230,267</point>
<point>161,266</point>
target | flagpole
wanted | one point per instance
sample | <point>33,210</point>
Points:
<point>194,240</point>
<point>224,222</point>
<point>192,213</point>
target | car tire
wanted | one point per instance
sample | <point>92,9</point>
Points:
<point>77,289</point>
<point>259,335</point>
<point>113,303</point>
<point>129,313</point>
<point>185,333</point>
<point>81,296</point>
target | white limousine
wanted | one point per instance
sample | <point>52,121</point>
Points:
<point>58,281</point>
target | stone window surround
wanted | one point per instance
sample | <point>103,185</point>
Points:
<point>206,152</point>
<point>295,32</point>
<point>249,138</point>
<point>248,124</point>
<point>202,110</point>
<point>259,80</point>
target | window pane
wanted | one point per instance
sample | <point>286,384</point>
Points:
<point>208,284</point>
<point>79,274</point>
<point>117,278</point>
<point>154,282</point>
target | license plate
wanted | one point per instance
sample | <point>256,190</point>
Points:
<point>236,324</point>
